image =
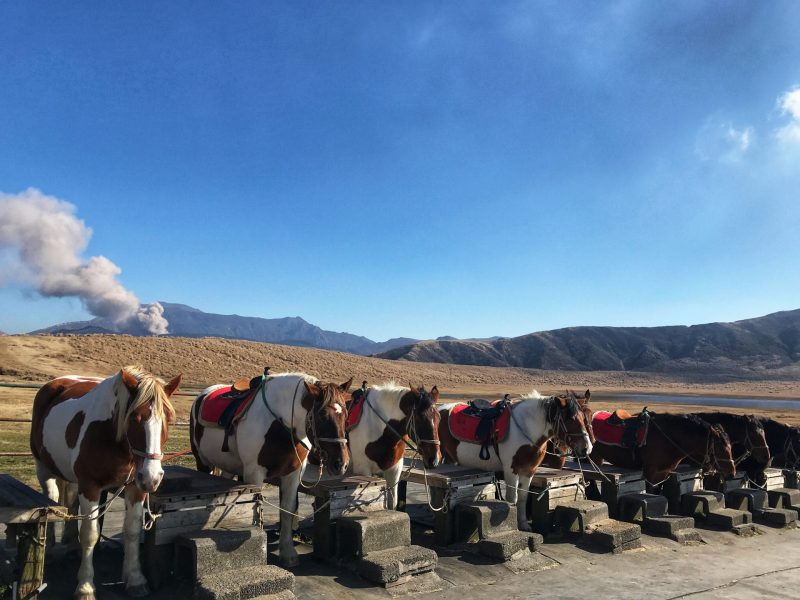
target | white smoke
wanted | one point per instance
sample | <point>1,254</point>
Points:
<point>46,240</point>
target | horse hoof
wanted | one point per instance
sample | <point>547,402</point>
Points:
<point>524,527</point>
<point>84,596</point>
<point>138,591</point>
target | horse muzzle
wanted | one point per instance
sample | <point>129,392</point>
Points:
<point>337,467</point>
<point>149,476</point>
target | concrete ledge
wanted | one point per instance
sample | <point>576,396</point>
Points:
<point>244,584</point>
<point>687,536</point>
<point>509,545</point>
<point>611,534</point>
<point>667,525</point>
<point>358,535</point>
<point>210,551</point>
<point>727,518</point>
<point>637,508</point>
<point>396,565</point>
<point>784,498</point>
<point>746,499</point>
<point>575,517</point>
<point>478,520</point>
<point>699,504</point>
<point>777,517</point>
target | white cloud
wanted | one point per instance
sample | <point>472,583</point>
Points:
<point>789,105</point>
<point>720,141</point>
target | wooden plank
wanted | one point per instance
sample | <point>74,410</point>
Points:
<point>616,474</point>
<point>545,477</point>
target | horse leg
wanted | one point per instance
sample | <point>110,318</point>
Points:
<point>289,484</point>
<point>512,480</point>
<point>90,532</point>
<point>392,475</point>
<point>132,576</point>
<point>50,488</point>
<point>522,502</point>
<point>70,500</point>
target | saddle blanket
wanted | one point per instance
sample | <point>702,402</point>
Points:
<point>608,429</point>
<point>464,427</point>
<point>354,409</point>
<point>215,403</point>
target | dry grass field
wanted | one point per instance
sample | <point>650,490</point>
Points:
<point>35,359</point>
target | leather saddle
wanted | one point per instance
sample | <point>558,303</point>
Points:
<point>636,426</point>
<point>488,413</point>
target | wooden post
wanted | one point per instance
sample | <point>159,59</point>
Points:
<point>442,519</point>
<point>30,558</point>
<point>324,541</point>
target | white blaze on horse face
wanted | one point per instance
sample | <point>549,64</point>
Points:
<point>337,408</point>
<point>150,472</point>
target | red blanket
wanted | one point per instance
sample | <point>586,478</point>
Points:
<point>464,427</point>
<point>613,433</point>
<point>214,404</point>
<point>354,410</point>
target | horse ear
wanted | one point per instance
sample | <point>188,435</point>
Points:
<point>346,385</point>
<point>312,389</point>
<point>435,393</point>
<point>173,384</point>
<point>130,381</point>
<point>587,395</point>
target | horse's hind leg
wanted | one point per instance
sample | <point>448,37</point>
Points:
<point>69,499</point>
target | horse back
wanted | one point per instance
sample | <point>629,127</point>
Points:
<point>49,395</point>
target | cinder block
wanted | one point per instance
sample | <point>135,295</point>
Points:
<point>611,533</point>
<point>395,565</point>
<point>478,520</point>
<point>667,525</point>
<point>510,545</point>
<point>574,517</point>
<point>361,534</point>
<point>244,584</point>
<point>210,551</point>
<point>637,508</point>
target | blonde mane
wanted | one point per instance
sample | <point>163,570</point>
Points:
<point>150,389</point>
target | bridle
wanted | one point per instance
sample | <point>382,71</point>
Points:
<point>411,426</point>
<point>749,446</point>
<point>311,431</point>
<point>560,431</point>
<point>710,457</point>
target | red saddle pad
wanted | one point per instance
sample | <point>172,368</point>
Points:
<point>613,433</point>
<point>464,427</point>
<point>213,405</point>
<point>354,410</point>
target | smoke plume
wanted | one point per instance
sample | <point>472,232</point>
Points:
<point>46,240</point>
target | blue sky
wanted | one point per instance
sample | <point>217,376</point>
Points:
<point>416,168</point>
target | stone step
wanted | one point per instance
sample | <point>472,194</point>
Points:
<point>364,533</point>
<point>636,508</point>
<point>210,551</point>
<point>244,584</point>
<point>484,518</point>
<point>776,517</point>
<point>510,545</point>
<point>396,565</point>
<point>688,536</point>
<point>667,525</point>
<point>748,499</point>
<point>727,518</point>
<point>284,595</point>
<point>574,517</point>
<point>699,504</point>
<point>615,536</point>
<point>784,498</point>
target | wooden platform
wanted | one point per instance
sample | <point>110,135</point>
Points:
<point>448,485</point>
<point>550,487</point>
<point>21,504</point>
<point>611,483</point>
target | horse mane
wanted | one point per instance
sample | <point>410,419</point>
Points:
<point>150,389</point>
<point>328,394</point>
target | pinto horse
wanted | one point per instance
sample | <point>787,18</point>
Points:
<point>272,439</point>
<point>387,417</point>
<point>556,455</point>
<point>89,435</point>
<point>670,439</point>
<point>534,419</point>
<point>748,439</point>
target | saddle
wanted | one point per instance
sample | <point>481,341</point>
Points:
<point>621,428</point>
<point>482,422</point>
<point>355,407</point>
<point>226,406</point>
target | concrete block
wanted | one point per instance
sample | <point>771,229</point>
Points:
<point>637,508</point>
<point>509,545</point>
<point>699,504</point>
<point>396,565</point>
<point>746,499</point>
<point>284,595</point>
<point>574,517</point>
<point>687,536</point>
<point>611,533</point>
<point>632,545</point>
<point>746,530</point>
<point>667,525</point>
<point>209,551</point>
<point>244,584</point>
<point>360,534</point>
<point>727,518</point>
<point>776,517</point>
<point>783,498</point>
<point>478,520</point>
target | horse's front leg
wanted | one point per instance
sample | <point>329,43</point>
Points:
<point>132,576</point>
<point>512,481</point>
<point>289,484</point>
<point>524,483</point>
<point>392,475</point>
<point>90,532</point>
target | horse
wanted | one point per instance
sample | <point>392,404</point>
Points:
<point>387,417</point>
<point>670,439</point>
<point>534,419</point>
<point>271,440</point>
<point>89,435</point>
<point>748,439</point>
<point>556,455</point>
<point>784,445</point>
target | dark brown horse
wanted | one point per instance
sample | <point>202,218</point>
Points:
<point>557,452</point>
<point>670,439</point>
<point>747,439</point>
<point>784,445</point>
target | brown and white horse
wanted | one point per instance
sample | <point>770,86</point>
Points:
<point>390,415</point>
<point>272,439</point>
<point>535,419</point>
<point>89,435</point>
<point>557,454</point>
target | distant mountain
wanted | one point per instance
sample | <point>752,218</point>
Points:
<point>186,321</point>
<point>769,342</point>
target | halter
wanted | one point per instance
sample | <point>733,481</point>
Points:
<point>411,427</point>
<point>136,452</point>
<point>311,430</point>
<point>749,446</point>
<point>560,426</point>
